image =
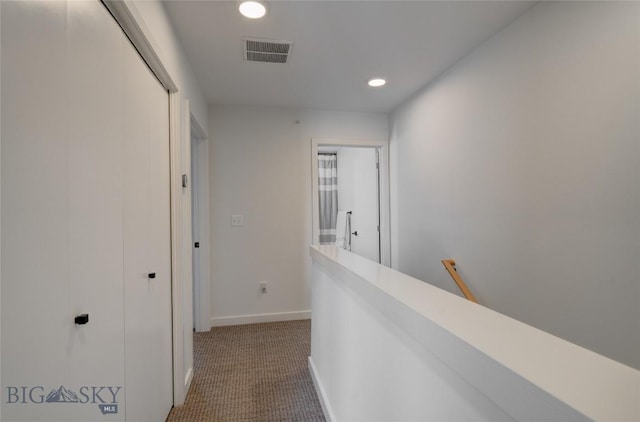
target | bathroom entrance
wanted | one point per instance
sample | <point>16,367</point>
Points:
<point>348,193</point>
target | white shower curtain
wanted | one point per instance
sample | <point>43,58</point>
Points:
<point>328,196</point>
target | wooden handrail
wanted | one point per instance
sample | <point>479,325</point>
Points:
<point>450,265</point>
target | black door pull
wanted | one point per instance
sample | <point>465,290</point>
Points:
<point>197,244</point>
<point>355,233</point>
<point>81,319</point>
<point>152,275</point>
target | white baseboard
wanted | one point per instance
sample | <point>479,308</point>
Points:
<point>257,318</point>
<point>187,380</point>
<point>322,395</point>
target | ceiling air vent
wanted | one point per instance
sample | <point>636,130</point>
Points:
<point>268,51</point>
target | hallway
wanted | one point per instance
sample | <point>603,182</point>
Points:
<point>255,372</point>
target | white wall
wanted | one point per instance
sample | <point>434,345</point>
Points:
<point>260,166</point>
<point>358,192</point>
<point>169,48</point>
<point>522,163</point>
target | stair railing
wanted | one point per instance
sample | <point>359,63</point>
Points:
<point>450,265</point>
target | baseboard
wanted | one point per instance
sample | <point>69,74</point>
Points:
<point>257,318</point>
<point>321,393</point>
<point>187,380</point>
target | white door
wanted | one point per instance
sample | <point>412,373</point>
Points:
<point>358,192</point>
<point>94,181</point>
<point>147,253</point>
<point>195,231</point>
<point>61,213</point>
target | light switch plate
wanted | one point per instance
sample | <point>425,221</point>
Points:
<point>237,220</point>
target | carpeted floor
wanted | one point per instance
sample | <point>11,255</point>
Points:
<point>255,372</point>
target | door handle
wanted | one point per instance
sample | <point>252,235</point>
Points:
<point>152,275</point>
<point>81,319</point>
<point>355,233</point>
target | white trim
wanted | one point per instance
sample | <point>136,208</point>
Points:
<point>385,223</point>
<point>188,378</point>
<point>196,129</point>
<point>259,318</point>
<point>0,201</point>
<point>185,251</point>
<point>132,24</point>
<point>321,392</point>
<point>179,392</point>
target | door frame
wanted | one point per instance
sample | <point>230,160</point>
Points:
<point>180,256</point>
<point>383,149</point>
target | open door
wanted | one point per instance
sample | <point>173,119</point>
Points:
<point>358,192</point>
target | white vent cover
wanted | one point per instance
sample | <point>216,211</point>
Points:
<point>263,50</point>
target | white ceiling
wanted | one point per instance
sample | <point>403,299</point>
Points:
<point>338,46</point>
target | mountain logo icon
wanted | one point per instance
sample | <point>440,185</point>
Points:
<point>62,395</point>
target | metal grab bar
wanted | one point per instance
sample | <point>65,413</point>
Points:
<point>450,265</point>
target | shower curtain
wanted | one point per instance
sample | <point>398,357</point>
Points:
<point>328,196</point>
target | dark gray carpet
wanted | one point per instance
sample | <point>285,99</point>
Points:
<point>255,372</point>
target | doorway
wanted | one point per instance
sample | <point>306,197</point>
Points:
<point>350,197</point>
<point>354,196</point>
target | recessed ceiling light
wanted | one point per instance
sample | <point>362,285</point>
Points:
<point>376,82</point>
<point>253,9</point>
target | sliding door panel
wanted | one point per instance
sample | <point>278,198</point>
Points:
<point>35,229</point>
<point>148,366</point>
<point>61,212</point>
<point>96,127</point>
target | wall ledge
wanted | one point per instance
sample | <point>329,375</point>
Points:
<point>560,379</point>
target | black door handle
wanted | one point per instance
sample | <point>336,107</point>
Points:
<point>152,275</point>
<point>355,233</point>
<point>81,319</point>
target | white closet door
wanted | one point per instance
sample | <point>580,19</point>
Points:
<point>85,218</point>
<point>35,228</point>
<point>62,212</point>
<point>95,179</point>
<point>148,346</point>
<point>160,258</point>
